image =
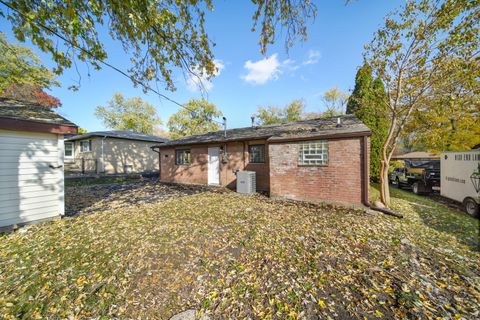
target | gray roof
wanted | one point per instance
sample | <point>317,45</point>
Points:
<point>119,134</point>
<point>26,111</point>
<point>297,130</point>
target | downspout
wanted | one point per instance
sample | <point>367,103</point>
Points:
<point>225,157</point>
<point>159,161</point>
<point>103,159</point>
<point>225,161</point>
<point>366,181</point>
<point>243,155</point>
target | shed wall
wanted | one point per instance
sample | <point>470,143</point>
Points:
<point>31,176</point>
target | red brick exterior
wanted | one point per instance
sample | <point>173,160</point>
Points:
<point>340,181</point>
<point>197,171</point>
<point>194,173</point>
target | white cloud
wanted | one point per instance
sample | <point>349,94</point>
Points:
<point>200,82</point>
<point>313,57</point>
<point>262,71</point>
<point>269,68</point>
<point>290,64</point>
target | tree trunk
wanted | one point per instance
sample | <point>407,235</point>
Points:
<point>387,151</point>
<point>384,187</point>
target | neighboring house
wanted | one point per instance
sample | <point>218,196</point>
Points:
<point>417,155</point>
<point>31,162</point>
<point>112,152</point>
<point>314,160</point>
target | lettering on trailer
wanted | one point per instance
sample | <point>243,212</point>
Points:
<point>455,179</point>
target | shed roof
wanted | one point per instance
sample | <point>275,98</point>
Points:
<point>120,134</point>
<point>297,130</point>
<point>28,116</point>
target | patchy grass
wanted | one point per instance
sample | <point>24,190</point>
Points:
<point>235,256</point>
<point>421,210</point>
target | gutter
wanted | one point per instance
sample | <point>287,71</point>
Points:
<point>366,181</point>
<point>340,135</point>
<point>270,139</point>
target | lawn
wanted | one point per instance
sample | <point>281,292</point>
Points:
<point>234,256</point>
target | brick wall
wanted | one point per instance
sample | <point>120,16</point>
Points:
<point>194,173</point>
<point>197,171</point>
<point>339,181</point>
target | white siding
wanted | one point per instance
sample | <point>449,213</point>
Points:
<point>31,176</point>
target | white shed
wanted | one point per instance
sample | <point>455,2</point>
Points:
<point>31,163</point>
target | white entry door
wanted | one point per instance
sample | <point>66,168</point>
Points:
<point>214,165</point>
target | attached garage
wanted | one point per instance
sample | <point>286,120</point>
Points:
<point>31,163</point>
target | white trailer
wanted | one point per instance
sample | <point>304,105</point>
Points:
<point>460,178</point>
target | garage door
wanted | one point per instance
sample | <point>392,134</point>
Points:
<point>31,176</point>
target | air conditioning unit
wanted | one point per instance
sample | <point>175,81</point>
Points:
<point>246,182</point>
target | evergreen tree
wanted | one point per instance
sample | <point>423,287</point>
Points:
<point>367,103</point>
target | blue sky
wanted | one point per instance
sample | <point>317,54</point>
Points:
<point>246,79</point>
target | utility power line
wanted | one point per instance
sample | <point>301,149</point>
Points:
<point>91,55</point>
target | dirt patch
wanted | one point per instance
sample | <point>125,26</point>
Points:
<point>84,199</point>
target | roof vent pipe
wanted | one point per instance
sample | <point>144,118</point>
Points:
<point>253,121</point>
<point>225,127</point>
<point>339,122</point>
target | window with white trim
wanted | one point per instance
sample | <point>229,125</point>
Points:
<point>68,152</point>
<point>313,153</point>
<point>85,146</point>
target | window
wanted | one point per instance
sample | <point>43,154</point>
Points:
<point>68,149</point>
<point>183,156</point>
<point>85,146</point>
<point>257,153</point>
<point>313,153</point>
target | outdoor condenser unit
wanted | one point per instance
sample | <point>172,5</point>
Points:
<point>246,182</point>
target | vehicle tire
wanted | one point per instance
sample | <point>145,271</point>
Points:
<point>471,207</point>
<point>415,188</point>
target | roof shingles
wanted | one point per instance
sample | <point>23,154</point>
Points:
<point>303,129</point>
<point>25,111</point>
<point>120,134</point>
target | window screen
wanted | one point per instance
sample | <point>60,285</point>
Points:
<point>183,156</point>
<point>257,153</point>
<point>313,153</point>
<point>85,146</point>
<point>68,149</point>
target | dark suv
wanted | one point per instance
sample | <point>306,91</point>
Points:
<point>423,176</point>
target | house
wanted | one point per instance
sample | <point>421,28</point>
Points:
<point>323,159</point>
<point>417,156</point>
<point>31,162</point>
<point>111,152</point>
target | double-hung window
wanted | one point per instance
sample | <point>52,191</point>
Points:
<point>183,156</point>
<point>68,152</point>
<point>85,146</point>
<point>313,153</point>
<point>257,153</point>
